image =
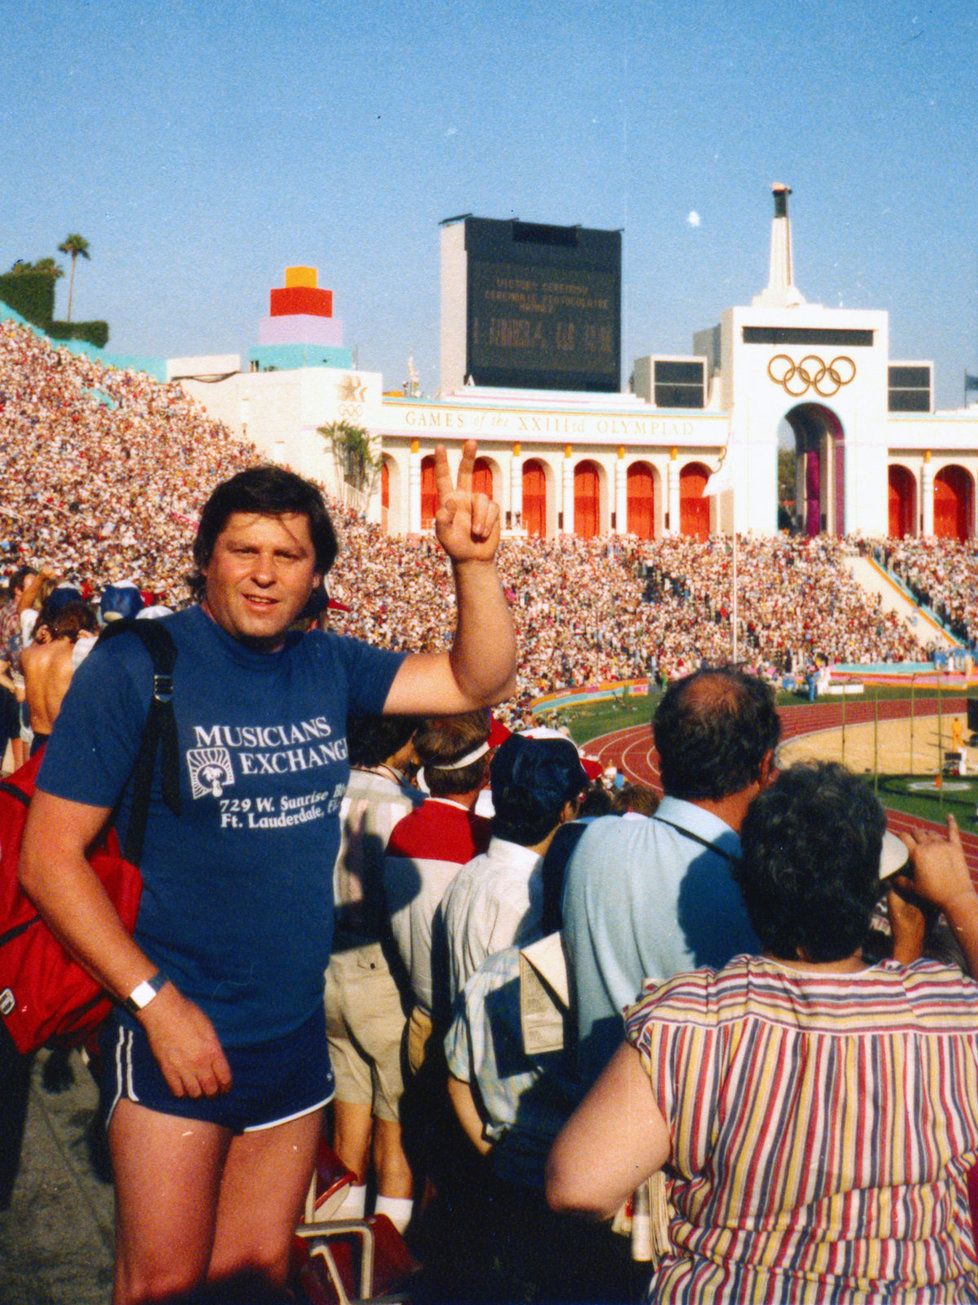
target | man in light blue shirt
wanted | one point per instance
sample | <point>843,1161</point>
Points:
<point>646,899</point>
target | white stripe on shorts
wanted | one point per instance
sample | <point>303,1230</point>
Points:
<point>123,1071</point>
<point>287,1119</point>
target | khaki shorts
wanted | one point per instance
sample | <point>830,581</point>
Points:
<point>365,1030</point>
<point>418,1032</point>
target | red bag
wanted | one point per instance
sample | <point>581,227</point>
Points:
<point>44,992</point>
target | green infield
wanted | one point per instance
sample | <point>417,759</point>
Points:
<point>591,720</point>
<point>919,795</point>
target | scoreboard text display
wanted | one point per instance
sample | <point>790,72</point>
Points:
<point>544,306</point>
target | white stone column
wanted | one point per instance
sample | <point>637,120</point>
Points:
<point>568,490</point>
<point>927,495</point>
<point>414,489</point>
<point>621,493</point>
<point>672,490</point>
<point>516,488</point>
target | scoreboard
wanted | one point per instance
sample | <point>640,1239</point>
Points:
<point>543,306</point>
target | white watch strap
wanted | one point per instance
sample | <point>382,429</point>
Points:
<point>144,992</point>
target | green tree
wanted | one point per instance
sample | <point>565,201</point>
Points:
<point>74,246</point>
<point>44,266</point>
<point>357,465</point>
<point>786,476</point>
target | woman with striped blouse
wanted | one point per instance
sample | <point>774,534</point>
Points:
<point>817,1116</point>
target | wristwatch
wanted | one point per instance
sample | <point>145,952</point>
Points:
<point>144,992</point>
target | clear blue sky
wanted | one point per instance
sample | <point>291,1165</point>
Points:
<point>202,146</point>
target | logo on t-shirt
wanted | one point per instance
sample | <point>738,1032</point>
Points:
<point>226,751</point>
<point>210,771</point>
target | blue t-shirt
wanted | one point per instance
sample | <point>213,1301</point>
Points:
<point>237,902</point>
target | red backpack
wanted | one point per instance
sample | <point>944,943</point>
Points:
<point>44,992</point>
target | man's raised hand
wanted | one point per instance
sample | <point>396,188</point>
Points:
<point>466,524</point>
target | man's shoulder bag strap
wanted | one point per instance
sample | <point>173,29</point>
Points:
<point>704,842</point>
<point>160,732</point>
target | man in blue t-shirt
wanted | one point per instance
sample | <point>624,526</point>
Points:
<point>216,1066</point>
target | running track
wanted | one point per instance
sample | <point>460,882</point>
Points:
<point>633,751</point>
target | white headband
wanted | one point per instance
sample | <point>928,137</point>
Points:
<point>467,760</point>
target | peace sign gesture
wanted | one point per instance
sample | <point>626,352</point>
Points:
<point>466,524</point>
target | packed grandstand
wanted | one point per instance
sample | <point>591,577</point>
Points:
<point>104,472</point>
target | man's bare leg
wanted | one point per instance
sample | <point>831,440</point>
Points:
<point>352,1127</point>
<point>393,1171</point>
<point>167,1180</point>
<point>266,1178</point>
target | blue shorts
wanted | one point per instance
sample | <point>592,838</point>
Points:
<point>271,1082</point>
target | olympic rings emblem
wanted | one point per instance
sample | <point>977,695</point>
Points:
<point>825,379</point>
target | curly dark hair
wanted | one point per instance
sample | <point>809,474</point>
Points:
<point>267,491</point>
<point>810,869</point>
<point>373,739</point>
<point>712,731</point>
<point>69,622</point>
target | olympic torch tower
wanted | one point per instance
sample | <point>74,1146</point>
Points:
<point>780,291</point>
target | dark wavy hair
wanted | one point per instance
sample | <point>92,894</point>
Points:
<point>373,739</point>
<point>810,869</point>
<point>712,730</point>
<point>267,491</point>
<point>69,622</point>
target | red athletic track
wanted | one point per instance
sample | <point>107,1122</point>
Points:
<point>633,751</point>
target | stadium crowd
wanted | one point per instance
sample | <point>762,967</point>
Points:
<point>743,901</point>
<point>105,471</point>
<point>943,575</point>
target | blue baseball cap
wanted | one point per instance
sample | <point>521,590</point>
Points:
<point>549,770</point>
<point>59,599</point>
<point>121,602</point>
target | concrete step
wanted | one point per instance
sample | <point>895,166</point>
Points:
<point>56,1235</point>
<point>874,580</point>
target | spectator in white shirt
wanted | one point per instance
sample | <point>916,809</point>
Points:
<point>496,899</point>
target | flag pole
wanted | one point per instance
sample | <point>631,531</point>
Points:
<point>735,641</point>
<point>720,481</point>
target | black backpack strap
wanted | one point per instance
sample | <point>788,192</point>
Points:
<point>160,733</point>
<point>704,842</point>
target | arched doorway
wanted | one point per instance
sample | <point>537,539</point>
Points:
<point>820,469</point>
<point>482,482</point>
<point>534,498</point>
<point>694,509</point>
<point>385,494</point>
<point>429,494</point>
<point>902,495</point>
<point>953,503</point>
<point>640,498</point>
<point>587,500</point>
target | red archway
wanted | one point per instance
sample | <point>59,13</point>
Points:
<point>587,500</point>
<point>694,509</point>
<point>429,494</point>
<point>534,498</point>
<point>953,503</point>
<point>902,491</point>
<point>482,477</point>
<point>640,497</point>
<point>385,494</point>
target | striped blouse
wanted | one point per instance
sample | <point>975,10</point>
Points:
<point>822,1129</point>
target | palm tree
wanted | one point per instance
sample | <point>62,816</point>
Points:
<point>357,464</point>
<point>73,245</point>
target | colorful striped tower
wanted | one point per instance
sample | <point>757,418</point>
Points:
<point>300,329</point>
